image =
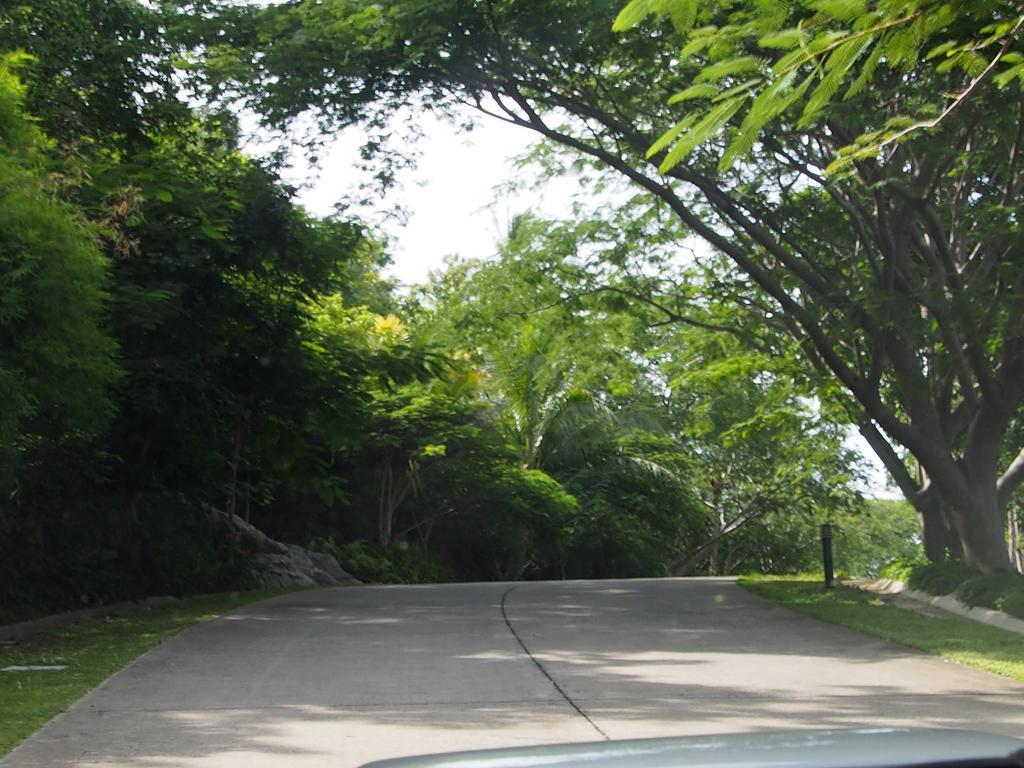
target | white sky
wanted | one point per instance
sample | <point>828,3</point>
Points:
<point>452,197</point>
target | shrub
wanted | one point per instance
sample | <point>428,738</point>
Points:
<point>187,551</point>
<point>1012,603</point>
<point>1002,591</point>
<point>940,578</point>
<point>986,590</point>
<point>901,568</point>
<point>107,549</point>
<point>413,565</point>
<point>401,563</point>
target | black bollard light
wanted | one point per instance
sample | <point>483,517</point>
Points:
<point>826,555</point>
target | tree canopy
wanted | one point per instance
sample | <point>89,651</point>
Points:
<point>820,236</point>
<point>898,279</point>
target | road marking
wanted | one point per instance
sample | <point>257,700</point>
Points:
<point>35,668</point>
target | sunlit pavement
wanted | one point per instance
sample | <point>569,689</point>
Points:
<point>339,677</point>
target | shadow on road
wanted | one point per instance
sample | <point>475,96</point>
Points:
<point>338,677</point>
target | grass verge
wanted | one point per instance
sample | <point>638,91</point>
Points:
<point>953,638</point>
<point>92,650</point>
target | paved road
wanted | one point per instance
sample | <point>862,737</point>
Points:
<point>339,677</point>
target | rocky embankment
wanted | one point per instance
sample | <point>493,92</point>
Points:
<point>276,564</point>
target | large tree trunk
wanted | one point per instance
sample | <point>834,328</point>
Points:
<point>958,498</point>
<point>979,524</point>
<point>969,487</point>
<point>941,541</point>
<point>971,529</point>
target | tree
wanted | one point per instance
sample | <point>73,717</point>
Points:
<point>141,232</point>
<point>100,70</point>
<point>900,281</point>
<point>824,50</point>
<point>574,396</point>
<point>418,405</point>
<point>57,359</point>
<point>886,530</point>
<point>763,457</point>
<point>928,250</point>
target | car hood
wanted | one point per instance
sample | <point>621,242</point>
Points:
<point>864,748</point>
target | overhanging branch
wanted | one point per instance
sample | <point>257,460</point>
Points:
<point>1011,480</point>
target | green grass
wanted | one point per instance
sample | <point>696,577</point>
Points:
<point>953,638</point>
<point>92,651</point>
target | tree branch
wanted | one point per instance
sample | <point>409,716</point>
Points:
<point>890,460</point>
<point>1011,480</point>
<point>964,95</point>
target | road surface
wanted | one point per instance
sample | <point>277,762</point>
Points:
<point>339,677</point>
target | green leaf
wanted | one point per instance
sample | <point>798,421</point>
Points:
<point>837,65</point>
<point>163,196</point>
<point>867,71</point>
<point>683,13</point>
<point>841,10</point>
<point>807,53</point>
<point>724,69</point>
<point>699,91</point>
<point>971,62</point>
<point>743,87</point>
<point>939,50</point>
<point>212,232</point>
<point>1007,76</point>
<point>709,125</point>
<point>769,104</point>
<point>787,39</point>
<point>670,135</point>
<point>634,12</point>
<point>699,40</point>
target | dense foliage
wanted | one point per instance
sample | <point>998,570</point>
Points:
<point>896,283</point>
<point>178,336</point>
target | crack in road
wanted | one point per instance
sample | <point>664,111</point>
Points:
<point>542,668</point>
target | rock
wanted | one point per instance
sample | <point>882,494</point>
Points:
<point>257,540</point>
<point>275,564</point>
<point>328,566</point>
<point>270,571</point>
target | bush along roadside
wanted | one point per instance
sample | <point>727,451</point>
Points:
<point>110,549</point>
<point>998,591</point>
<point>401,563</point>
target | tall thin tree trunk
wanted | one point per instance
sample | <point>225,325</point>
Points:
<point>716,539</point>
<point>1014,524</point>
<point>236,456</point>
<point>248,495</point>
<point>385,509</point>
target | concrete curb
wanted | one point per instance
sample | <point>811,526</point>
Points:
<point>945,602</point>
<point>26,629</point>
